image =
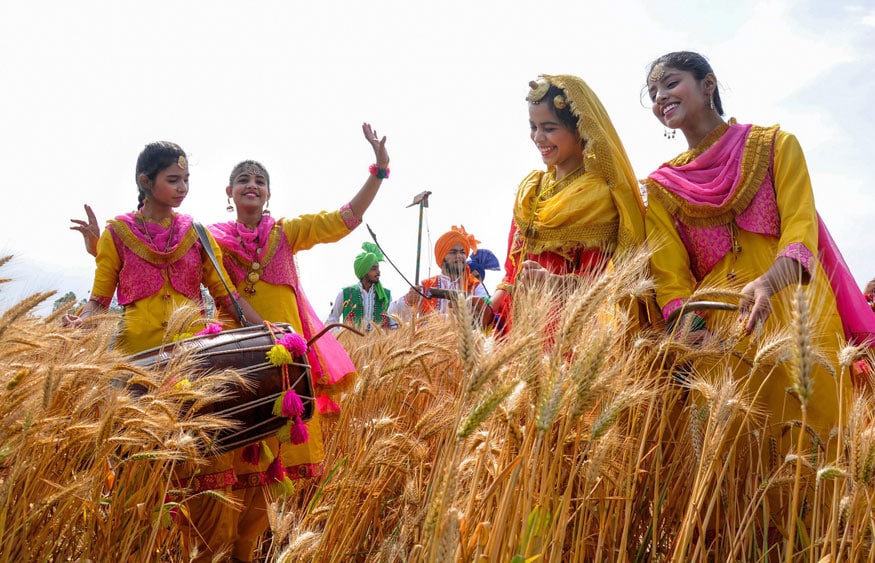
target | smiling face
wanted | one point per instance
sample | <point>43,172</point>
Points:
<point>679,100</point>
<point>169,187</point>
<point>560,147</point>
<point>250,190</point>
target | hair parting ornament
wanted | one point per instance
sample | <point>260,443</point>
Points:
<point>657,73</point>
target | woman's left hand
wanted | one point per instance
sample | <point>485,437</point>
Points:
<point>378,144</point>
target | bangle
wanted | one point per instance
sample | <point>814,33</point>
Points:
<point>380,173</point>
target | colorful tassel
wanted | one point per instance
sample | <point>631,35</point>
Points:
<point>298,433</point>
<point>284,488</point>
<point>251,454</point>
<point>294,343</point>
<point>279,355</point>
<point>212,328</point>
<point>293,407</point>
<point>276,472</point>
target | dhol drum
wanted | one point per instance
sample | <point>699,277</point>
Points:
<point>249,407</point>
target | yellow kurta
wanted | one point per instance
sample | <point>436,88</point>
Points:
<point>277,303</point>
<point>145,320</point>
<point>674,279</point>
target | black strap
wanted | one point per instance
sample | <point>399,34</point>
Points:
<point>205,243</point>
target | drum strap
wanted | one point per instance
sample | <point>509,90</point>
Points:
<point>208,248</point>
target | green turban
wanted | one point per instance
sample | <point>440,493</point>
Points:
<point>366,260</point>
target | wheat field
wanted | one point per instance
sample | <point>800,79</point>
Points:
<point>577,436</point>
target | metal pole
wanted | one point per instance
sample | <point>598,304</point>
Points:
<point>422,200</point>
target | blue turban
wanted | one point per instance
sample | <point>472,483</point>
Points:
<point>483,260</point>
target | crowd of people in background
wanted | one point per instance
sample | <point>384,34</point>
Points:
<point>736,209</point>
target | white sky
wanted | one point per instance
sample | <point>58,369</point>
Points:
<point>288,83</point>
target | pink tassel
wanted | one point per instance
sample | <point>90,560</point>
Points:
<point>252,453</point>
<point>212,328</point>
<point>292,405</point>
<point>276,472</point>
<point>298,432</point>
<point>294,343</point>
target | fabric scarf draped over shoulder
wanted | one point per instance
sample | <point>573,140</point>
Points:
<point>552,216</point>
<point>715,182</point>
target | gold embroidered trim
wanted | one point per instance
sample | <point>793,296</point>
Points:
<point>272,246</point>
<point>756,160</point>
<point>142,250</point>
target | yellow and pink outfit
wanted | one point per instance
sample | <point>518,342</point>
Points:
<point>156,268</point>
<point>261,264</point>
<point>720,215</point>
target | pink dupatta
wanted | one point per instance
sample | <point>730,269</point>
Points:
<point>857,317</point>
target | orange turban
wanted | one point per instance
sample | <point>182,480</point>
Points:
<point>456,235</point>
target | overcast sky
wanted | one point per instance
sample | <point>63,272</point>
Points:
<point>288,83</point>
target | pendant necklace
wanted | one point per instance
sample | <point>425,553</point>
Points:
<point>254,273</point>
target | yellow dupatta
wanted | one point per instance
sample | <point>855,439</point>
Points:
<point>598,205</point>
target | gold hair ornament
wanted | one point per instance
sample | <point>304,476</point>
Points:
<point>657,73</point>
<point>538,89</point>
<point>182,162</point>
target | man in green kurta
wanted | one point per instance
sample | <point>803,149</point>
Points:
<point>364,304</point>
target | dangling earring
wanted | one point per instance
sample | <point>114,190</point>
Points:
<point>711,99</point>
<point>668,133</point>
<point>266,211</point>
<point>230,208</point>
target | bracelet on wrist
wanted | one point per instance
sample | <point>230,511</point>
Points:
<point>381,173</point>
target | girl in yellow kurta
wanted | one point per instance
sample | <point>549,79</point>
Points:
<point>152,256</point>
<point>259,254</point>
<point>155,261</point>
<point>737,210</point>
<point>586,207</point>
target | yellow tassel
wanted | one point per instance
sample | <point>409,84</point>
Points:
<point>284,488</point>
<point>279,355</point>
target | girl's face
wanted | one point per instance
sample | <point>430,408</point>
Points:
<point>560,147</point>
<point>250,190</point>
<point>679,100</point>
<point>170,186</point>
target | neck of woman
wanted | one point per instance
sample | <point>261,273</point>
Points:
<point>701,129</point>
<point>249,219</point>
<point>155,213</point>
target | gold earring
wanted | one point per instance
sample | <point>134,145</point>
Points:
<point>711,98</point>
<point>230,208</point>
<point>266,211</point>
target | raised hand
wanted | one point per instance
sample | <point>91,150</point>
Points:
<point>378,144</point>
<point>90,230</point>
